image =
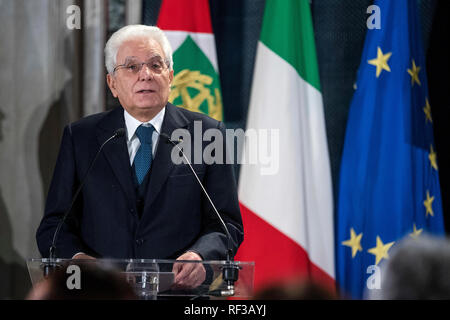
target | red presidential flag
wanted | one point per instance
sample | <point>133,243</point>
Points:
<point>196,85</point>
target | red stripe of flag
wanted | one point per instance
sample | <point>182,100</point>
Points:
<point>277,257</point>
<point>181,15</point>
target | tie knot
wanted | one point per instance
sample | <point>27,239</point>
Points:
<point>145,134</point>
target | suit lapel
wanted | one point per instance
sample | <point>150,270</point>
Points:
<point>162,164</point>
<point>116,151</point>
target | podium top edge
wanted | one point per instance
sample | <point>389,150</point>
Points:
<point>115,260</point>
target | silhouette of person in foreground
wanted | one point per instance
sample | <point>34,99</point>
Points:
<point>295,290</point>
<point>417,270</point>
<point>95,284</point>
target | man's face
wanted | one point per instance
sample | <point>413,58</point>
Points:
<point>144,92</point>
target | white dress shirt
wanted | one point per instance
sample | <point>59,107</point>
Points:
<point>132,124</point>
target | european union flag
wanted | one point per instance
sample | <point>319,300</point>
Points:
<point>389,184</point>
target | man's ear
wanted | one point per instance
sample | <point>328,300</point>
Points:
<point>111,84</point>
<point>170,77</point>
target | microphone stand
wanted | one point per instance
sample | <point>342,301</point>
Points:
<point>52,264</point>
<point>230,270</point>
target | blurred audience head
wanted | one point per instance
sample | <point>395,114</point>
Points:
<point>96,283</point>
<point>418,269</point>
<point>295,290</point>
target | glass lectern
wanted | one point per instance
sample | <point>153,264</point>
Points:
<point>154,279</point>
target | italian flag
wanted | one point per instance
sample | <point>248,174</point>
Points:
<point>288,216</point>
<point>196,86</point>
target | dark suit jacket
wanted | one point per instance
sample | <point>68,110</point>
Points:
<point>104,221</point>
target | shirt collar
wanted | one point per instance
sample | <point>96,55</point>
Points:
<point>132,123</point>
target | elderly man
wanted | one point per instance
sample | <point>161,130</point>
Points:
<point>136,202</point>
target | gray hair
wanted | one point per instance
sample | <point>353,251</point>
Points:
<point>132,32</point>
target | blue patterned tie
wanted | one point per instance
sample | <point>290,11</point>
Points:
<point>143,158</point>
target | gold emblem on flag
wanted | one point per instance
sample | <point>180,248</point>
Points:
<point>194,79</point>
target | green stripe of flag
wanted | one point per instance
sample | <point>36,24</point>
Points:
<point>288,31</point>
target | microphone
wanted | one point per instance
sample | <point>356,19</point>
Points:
<point>52,265</point>
<point>230,271</point>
